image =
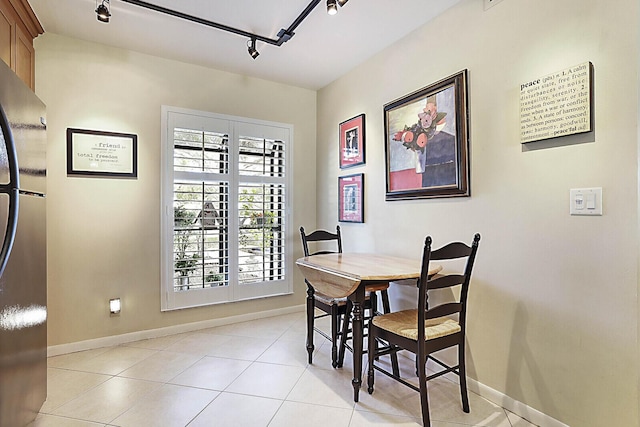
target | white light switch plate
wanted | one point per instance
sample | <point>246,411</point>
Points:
<point>490,3</point>
<point>585,201</point>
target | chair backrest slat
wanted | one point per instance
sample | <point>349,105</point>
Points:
<point>321,235</point>
<point>447,281</point>
<point>451,251</point>
<point>446,309</point>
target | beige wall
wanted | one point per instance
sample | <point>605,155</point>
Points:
<point>104,234</point>
<point>553,310</point>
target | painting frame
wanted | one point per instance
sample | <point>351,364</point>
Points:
<point>351,198</point>
<point>352,142</point>
<point>95,153</point>
<point>427,142</point>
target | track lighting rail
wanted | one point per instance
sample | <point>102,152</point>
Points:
<point>283,35</point>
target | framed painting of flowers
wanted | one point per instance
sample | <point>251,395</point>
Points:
<point>427,142</point>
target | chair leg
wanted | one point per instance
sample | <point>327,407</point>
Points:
<point>311,307</point>
<point>373,301</point>
<point>463,377</point>
<point>334,335</point>
<point>371,356</point>
<point>346,318</point>
<point>386,307</point>
<point>424,397</point>
<point>373,297</point>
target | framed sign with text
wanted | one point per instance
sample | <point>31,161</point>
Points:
<point>557,105</point>
<point>99,153</point>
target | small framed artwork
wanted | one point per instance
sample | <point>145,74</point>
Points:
<point>427,142</point>
<point>352,142</point>
<point>98,153</point>
<point>351,198</point>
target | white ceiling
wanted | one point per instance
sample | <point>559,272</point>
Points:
<point>324,47</point>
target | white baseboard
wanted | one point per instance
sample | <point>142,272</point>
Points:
<point>520,409</point>
<point>56,350</point>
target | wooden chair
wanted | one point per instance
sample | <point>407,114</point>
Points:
<point>338,308</point>
<point>426,330</point>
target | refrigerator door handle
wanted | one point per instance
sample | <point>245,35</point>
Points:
<point>10,232</point>
<point>11,189</point>
<point>12,155</point>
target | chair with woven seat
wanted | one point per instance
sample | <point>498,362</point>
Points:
<point>339,309</point>
<point>426,330</point>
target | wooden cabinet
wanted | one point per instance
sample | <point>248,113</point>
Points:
<point>18,27</point>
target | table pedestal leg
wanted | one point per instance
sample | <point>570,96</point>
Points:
<point>358,303</point>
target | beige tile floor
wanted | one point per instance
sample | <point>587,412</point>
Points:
<point>249,374</point>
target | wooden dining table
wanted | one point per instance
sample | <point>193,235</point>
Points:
<point>346,275</point>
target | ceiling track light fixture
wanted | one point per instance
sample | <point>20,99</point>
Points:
<point>251,44</point>
<point>332,6</point>
<point>102,11</point>
<point>284,35</point>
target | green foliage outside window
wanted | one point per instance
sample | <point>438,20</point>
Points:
<point>184,261</point>
<point>256,223</point>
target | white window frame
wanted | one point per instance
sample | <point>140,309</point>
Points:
<point>233,126</point>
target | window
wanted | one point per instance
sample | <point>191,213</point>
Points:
<point>225,198</point>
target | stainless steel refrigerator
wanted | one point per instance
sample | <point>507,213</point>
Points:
<point>23,257</point>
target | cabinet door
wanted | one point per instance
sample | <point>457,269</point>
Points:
<point>7,24</point>
<point>25,54</point>
<point>16,43</point>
